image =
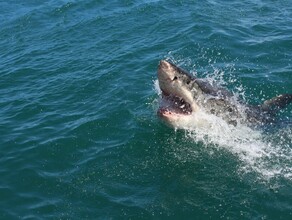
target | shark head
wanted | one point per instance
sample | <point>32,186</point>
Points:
<point>179,92</point>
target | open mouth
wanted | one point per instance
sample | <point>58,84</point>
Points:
<point>173,105</point>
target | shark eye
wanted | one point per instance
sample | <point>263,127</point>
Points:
<point>175,78</point>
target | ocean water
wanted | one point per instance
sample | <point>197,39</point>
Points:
<point>79,134</point>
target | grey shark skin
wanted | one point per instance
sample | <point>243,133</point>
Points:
<point>184,95</point>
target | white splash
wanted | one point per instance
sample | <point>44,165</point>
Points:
<point>267,155</point>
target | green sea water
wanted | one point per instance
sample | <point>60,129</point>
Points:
<point>79,134</point>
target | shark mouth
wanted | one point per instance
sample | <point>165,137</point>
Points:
<point>173,105</point>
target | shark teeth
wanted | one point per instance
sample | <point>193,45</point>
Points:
<point>171,104</point>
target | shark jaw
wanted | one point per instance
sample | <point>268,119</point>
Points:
<point>173,105</point>
<point>174,111</point>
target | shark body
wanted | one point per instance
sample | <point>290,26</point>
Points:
<point>184,95</point>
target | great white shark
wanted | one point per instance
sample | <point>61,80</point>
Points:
<point>184,96</point>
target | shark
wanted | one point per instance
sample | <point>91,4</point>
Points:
<point>184,96</point>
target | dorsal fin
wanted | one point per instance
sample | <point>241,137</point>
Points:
<point>277,103</point>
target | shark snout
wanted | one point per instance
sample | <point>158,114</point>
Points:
<point>164,65</point>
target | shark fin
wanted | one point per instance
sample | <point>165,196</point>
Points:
<point>277,103</point>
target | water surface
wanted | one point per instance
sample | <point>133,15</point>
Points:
<point>79,134</point>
